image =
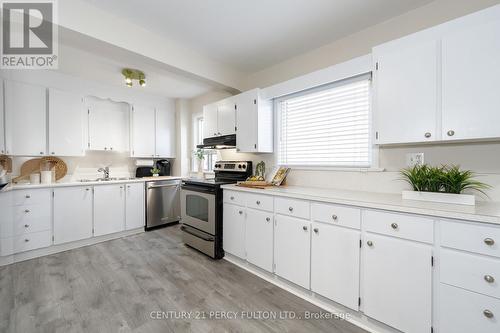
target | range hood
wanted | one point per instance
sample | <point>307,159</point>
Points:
<point>219,142</point>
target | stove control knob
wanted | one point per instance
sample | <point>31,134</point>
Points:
<point>243,166</point>
<point>239,166</point>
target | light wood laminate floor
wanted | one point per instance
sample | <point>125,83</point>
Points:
<point>114,286</point>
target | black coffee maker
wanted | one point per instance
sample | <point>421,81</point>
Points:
<point>164,166</point>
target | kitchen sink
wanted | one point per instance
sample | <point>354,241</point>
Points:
<point>105,179</point>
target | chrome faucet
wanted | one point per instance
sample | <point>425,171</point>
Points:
<point>106,172</point>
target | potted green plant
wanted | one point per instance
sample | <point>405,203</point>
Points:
<point>199,154</point>
<point>444,184</point>
<point>155,172</point>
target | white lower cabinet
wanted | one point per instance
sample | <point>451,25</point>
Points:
<point>233,230</point>
<point>397,283</point>
<point>109,209</point>
<point>72,214</point>
<point>335,257</point>
<point>292,245</point>
<point>259,238</point>
<point>134,206</point>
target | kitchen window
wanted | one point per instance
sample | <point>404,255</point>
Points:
<point>210,155</point>
<point>328,126</point>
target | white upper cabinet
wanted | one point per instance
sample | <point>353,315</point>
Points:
<point>165,133</point>
<point>66,120</point>
<point>254,123</point>
<point>210,121</point>
<point>226,117</point>
<point>405,87</point>
<point>143,131</point>
<point>2,125</point>
<point>108,125</point>
<point>25,119</point>
<point>471,71</point>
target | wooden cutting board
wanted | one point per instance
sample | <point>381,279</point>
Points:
<point>34,166</point>
<point>6,163</point>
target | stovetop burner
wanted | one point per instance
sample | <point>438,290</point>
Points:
<point>226,172</point>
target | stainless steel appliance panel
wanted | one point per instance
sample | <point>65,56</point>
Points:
<point>162,202</point>
<point>198,209</point>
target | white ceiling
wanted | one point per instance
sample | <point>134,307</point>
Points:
<point>250,35</point>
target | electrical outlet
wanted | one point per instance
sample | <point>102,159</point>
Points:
<point>413,159</point>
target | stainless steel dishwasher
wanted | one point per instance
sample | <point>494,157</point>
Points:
<point>163,205</point>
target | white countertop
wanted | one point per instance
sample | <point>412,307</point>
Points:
<point>86,183</point>
<point>483,211</point>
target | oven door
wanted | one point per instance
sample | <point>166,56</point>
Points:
<point>198,207</point>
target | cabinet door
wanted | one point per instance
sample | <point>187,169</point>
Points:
<point>292,249</point>
<point>259,239</point>
<point>226,117</point>
<point>134,206</point>
<point>210,121</point>
<point>233,230</point>
<point>72,214</point>
<point>143,131</point>
<point>108,125</point>
<point>396,286</point>
<point>109,209</point>
<point>470,83</point>
<point>165,133</point>
<point>246,122</point>
<point>335,263</point>
<point>25,115</point>
<point>2,125</point>
<point>406,93</point>
<point>66,120</point>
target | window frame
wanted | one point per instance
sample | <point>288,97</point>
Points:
<point>210,160</point>
<point>374,149</point>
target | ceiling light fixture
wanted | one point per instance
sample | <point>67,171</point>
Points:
<point>134,74</point>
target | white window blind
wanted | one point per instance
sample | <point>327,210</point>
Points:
<point>328,126</point>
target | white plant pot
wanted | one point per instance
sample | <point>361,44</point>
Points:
<point>450,198</point>
<point>156,175</point>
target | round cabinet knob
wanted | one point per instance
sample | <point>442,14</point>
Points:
<point>121,187</point>
<point>369,243</point>
<point>316,230</point>
<point>41,153</point>
<point>111,148</point>
<point>268,219</point>
<point>428,135</point>
<point>240,212</point>
<point>53,153</point>
<point>489,278</point>
<point>26,210</point>
<point>334,217</point>
<point>105,148</point>
<point>488,314</point>
<point>257,202</point>
<point>450,133</point>
<point>489,241</point>
<point>26,225</point>
<point>304,228</point>
<point>26,240</point>
<point>232,198</point>
<point>290,209</point>
<point>87,189</point>
<point>27,196</point>
<point>394,226</point>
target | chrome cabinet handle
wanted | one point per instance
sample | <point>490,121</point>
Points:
<point>489,278</point>
<point>257,202</point>
<point>450,133</point>
<point>240,212</point>
<point>316,230</point>
<point>488,314</point>
<point>394,225</point>
<point>489,241</point>
<point>290,209</point>
<point>334,217</point>
<point>268,219</point>
<point>427,135</point>
<point>26,225</point>
<point>304,228</point>
<point>26,210</point>
<point>369,243</point>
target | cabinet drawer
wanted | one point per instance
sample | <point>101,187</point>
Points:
<point>32,197</point>
<point>399,225</point>
<point>340,215</point>
<point>482,239</point>
<point>292,207</point>
<point>261,202</point>
<point>234,197</point>
<point>31,218</point>
<point>462,311</point>
<point>32,241</point>
<point>473,272</point>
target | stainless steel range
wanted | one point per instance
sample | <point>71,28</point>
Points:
<point>201,206</point>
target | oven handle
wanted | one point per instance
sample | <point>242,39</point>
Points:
<point>197,189</point>
<point>205,238</point>
<point>160,186</point>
